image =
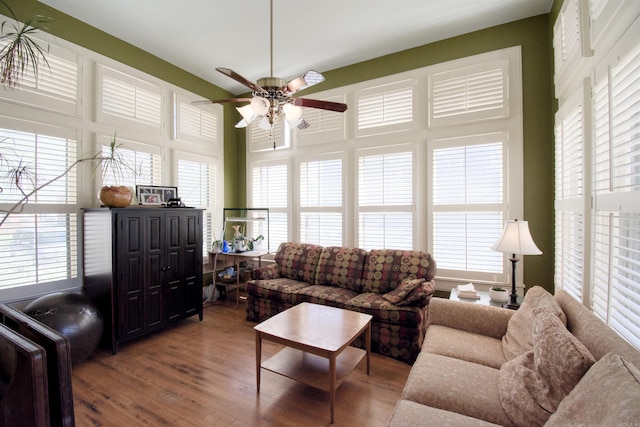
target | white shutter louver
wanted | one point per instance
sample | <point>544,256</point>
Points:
<point>570,200</point>
<point>261,140</point>
<point>321,202</point>
<point>195,122</point>
<point>197,184</point>
<point>468,204</point>
<point>385,200</point>
<point>325,126</point>
<point>270,189</point>
<point>469,94</point>
<point>126,98</point>
<point>57,84</point>
<point>142,165</point>
<point>616,215</point>
<point>42,247</point>
<point>387,108</point>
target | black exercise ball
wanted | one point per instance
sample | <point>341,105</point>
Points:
<point>72,315</point>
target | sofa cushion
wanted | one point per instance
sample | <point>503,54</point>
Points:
<point>464,345</point>
<point>327,295</point>
<point>519,336</point>
<point>609,394</point>
<point>281,289</point>
<point>409,414</point>
<point>385,269</point>
<point>456,385</point>
<point>381,309</point>
<point>298,261</point>
<point>342,267</point>
<point>532,385</point>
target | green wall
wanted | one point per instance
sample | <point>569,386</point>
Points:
<point>533,34</point>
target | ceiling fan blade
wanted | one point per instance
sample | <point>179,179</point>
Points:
<point>303,124</point>
<point>323,105</point>
<point>303,81</point>
<point>221,101</point>
<point>237,77</point>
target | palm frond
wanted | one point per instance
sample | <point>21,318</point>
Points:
<point>21,53</point>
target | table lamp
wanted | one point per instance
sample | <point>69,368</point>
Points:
<point>516,240</point>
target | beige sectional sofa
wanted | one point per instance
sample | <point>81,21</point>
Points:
<point>483,366</point>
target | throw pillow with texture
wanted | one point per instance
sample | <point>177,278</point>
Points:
<point>531,386</point>
<point>418,297</point>
<point>519,336</point>
<point>615,402</point>
<point>402,290</point>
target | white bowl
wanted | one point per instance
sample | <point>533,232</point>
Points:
<point>499,296</point>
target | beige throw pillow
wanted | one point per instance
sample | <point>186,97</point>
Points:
<point>519,336</point>
<point>531,386</point>
<point>609,394</point>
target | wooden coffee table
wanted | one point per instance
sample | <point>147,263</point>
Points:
<point>317,341</point>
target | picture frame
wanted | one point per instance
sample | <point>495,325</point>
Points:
<point>155,195</point>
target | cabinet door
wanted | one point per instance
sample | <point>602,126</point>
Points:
<point>174,274</point>
<point>130,273</point>
<point>155,270</point>
<point>192,263</point>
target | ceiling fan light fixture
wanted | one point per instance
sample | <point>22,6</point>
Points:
<point>260,105</point>
<point>296,84</point>
<point>265,124</point>
<point>292,113</point>
<point>247,112</point>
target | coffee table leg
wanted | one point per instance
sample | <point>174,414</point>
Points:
<point>258,359</point>
<point>367,341</point>
<point>332,384</point>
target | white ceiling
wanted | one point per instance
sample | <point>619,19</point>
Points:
<point>200,35</point>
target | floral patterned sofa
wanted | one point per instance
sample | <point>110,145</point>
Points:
<point>394,286</point>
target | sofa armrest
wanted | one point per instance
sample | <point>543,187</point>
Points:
<point>270,271</point>
<point>475,318</point>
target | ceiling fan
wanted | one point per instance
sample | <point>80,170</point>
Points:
<point>273,97</point>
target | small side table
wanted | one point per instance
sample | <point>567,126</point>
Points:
<point>484,299</point>
<point>224,259</point>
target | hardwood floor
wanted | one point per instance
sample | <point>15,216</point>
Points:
<point>203,374</point>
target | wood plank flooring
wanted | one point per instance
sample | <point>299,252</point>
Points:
<point>203,374</point>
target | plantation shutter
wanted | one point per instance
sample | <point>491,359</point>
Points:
<point>194,122</point>
<point>468,199</point>
<point>325,126</point>
<point>386,108</point>
<point>142,164</point>
<point>616,217</point>
<point>262,140</point>
<point>570,202</point>
<point>270,189</point>
<point>469,94</point>
<point>321,202</point>
<point>385,199</point>
<point>197,184</point>
<point>57,85</point>
<point>40,240</point>
<point>126,98</point>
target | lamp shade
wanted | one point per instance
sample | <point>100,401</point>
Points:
<point>516,239</point>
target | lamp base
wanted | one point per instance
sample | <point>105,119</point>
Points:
<point>511,305</point>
